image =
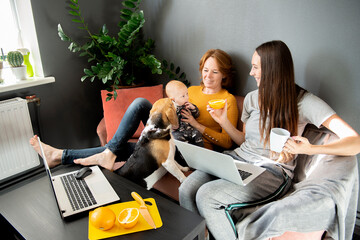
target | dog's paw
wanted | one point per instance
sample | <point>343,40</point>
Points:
<point>185,169</point>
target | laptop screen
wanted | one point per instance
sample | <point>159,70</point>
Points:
<point>44,158</point>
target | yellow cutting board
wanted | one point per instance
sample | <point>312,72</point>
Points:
<point>117,230</point>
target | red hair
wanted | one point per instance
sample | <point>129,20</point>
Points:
<point>224,62</point>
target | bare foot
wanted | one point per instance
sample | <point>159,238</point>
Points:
<point>105,159</point>
<point>53,155</point>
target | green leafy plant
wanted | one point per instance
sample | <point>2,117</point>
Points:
<point>116,60</point>
<point>173,72</point>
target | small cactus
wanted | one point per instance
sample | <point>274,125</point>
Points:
<point>15,58</point>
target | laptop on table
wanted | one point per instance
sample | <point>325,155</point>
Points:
<point>74,196</point>
<point>218,164</point>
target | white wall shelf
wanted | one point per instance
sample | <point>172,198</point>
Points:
<point>20,84</point>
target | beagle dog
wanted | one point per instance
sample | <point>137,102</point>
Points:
<point>155,147</point>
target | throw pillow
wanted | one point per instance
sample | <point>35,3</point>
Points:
<point>114,110</point>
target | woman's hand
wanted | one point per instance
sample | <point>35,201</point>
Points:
<point>219,115</point>
<point>298,145</point>
<point>294,145</point>
<point>285,157</point>
<point>188,117</point>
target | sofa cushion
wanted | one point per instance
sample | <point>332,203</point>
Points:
<point>114,110</point>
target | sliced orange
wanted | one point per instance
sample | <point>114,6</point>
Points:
<point>217,103</point>
<point>128,217</point>
<point>103,218</point>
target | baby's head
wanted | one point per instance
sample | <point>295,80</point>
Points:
<point>177,91</point>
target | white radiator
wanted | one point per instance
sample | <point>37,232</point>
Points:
<point>16,154</point>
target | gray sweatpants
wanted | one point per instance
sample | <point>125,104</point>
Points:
<point>209,196</point>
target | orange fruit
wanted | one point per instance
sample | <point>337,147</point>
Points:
<point>128,217</point>
<point>103,218</point>
<point>217,103</point>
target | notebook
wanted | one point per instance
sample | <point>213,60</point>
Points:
<point>218,164</point>
<point>75,196</point>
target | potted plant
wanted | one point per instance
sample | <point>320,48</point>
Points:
<point>15,60</point>
<point>117,60</point>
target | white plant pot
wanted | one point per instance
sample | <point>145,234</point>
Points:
<point>19,72</point>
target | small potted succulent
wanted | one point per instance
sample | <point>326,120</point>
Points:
<point>15,60</point>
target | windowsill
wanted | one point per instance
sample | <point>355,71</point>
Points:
<point>20,84</point>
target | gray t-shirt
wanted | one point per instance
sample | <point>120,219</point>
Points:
<point>311,110</point>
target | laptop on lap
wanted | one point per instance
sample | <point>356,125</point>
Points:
<point>74,196</point>
<point>218,164</point>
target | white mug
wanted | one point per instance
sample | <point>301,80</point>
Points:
<point>278,138</point>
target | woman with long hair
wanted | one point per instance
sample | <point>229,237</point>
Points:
<point>278,102</point>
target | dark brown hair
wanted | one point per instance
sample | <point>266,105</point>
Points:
<point>278,93</point>
<point>225,66</point>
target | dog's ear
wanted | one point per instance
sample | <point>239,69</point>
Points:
<point>171,116</point>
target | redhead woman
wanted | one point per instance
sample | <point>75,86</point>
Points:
<point>216,73</point>
<point>278,102</point>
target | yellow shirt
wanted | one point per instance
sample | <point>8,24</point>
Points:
<point>214,134</point>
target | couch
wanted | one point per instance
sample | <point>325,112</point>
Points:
<point>321,204</point>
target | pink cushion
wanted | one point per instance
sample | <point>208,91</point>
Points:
<point>114,110</point>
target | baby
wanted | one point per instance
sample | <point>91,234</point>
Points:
<point>178,93</point>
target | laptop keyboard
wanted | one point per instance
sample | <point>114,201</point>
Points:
<point>244,175</point>
<point>78,192</point>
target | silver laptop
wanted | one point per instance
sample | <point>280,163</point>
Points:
<point>218,164</point>
<point>75,196</point>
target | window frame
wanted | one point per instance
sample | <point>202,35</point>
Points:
<point>22,10</point>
